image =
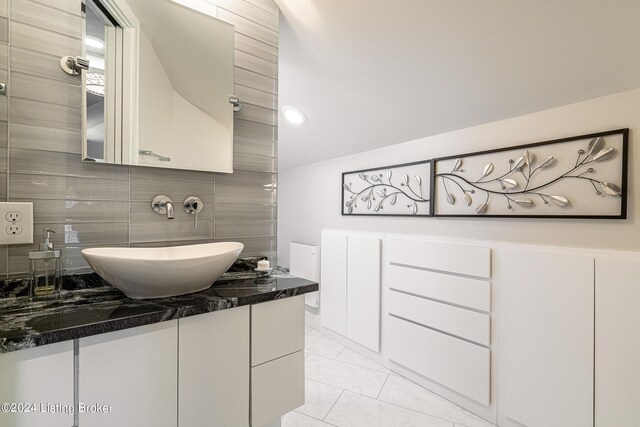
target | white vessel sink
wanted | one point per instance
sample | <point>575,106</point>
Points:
<point>163,272</point>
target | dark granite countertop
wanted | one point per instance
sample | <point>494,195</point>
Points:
<point>95,307</point>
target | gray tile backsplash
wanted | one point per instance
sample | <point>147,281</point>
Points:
<point>106,205</point>
<point>38,88</point>
<point>41,138</point>
<point>38,39</point>
<point>46,17</point>
<point>38,64</point>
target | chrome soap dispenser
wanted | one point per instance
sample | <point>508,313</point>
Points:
<point>44,268</point>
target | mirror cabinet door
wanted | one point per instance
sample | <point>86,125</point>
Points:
<point>158,86</point>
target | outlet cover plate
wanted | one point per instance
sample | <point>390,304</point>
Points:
<point>14,214</point>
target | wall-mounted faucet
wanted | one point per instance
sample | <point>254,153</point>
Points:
<point>162,204</point>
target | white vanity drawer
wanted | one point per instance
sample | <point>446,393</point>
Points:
<point>455,258</point>
<point>277,387</point>
<point>277,329</point>
<point>464,291</point>
<point>454,363</point>
<point>463,323</point>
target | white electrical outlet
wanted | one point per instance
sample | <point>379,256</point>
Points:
<point>17,228</point>
<point>14,229</point>
<point>14,216</point>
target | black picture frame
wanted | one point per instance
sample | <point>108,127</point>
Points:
<point>623,178</point>
<point>430,191</point>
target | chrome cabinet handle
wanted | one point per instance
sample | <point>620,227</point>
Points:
<point>152,154</point>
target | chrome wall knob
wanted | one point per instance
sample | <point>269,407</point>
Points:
<point>193,205</point>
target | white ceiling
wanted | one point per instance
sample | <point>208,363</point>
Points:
<point>371,73</point>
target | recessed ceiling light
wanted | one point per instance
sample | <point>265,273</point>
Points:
<point>93,42</point>
<point>294,114</point>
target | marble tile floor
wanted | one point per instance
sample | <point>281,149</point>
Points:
<point>345,389</point>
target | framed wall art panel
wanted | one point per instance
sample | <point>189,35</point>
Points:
<point>579,177</point>
<point>399,190</point>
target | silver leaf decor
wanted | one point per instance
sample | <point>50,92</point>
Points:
<point>595,145</point>
<point>389,174</point>
<point>451,199</point>
<point>457,165</point>
<point>365,197</point>
<point>529,158</point>
<point>524,202</point>
<point>380,193</point>
<point>405,178</point>
<point>418,180</point>
<point>560,200</point>
<point>394,198</point>
<point>414,209</point>
<point>604,154</point>
<point>374,178</point>
<point>547,162</point>
<point>482,208</point>
<point>509,183</point>
<point>350,210</point>
<point>346,187</point>
<point>518,163</point>
<point>362,176</point>
<point>369,204</point>
<point>610,189</point>
<point>487,170</point>
<point>467,199</point>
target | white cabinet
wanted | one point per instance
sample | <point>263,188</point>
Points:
<point>133,373</point>
<point>277,329</point>
<point>277,387</point>
<point>277,358</point>
<point>438,322</point>
<point>351,287</point>
<point>40,375</point>
<point>333,276</point>
<point>363,291</point>
<point>213,369</point>
<point>617,343</point>
<point>460,365</point>
<point>546,352</point>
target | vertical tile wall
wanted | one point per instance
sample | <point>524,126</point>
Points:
<point>107,205</point>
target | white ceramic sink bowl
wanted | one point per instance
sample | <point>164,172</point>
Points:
<point>163,272</point>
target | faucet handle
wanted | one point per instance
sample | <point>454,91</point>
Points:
<point>193,206</point>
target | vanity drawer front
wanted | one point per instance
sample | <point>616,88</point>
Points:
<point>457,258</point>
<point>463,323</point>
<point>463,291</point>
<point>454,363</point>
<point>277,329</point>
<point>277,387</point>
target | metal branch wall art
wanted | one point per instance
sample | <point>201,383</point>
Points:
<point>394,190</point>
<point>574,177</point>
<point>578,177</point>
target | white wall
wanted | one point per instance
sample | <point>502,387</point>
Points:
<point>309,197</point>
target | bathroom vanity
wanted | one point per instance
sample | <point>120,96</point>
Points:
<point>232,355</point>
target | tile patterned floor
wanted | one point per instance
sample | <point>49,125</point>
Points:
<point>345,389</point>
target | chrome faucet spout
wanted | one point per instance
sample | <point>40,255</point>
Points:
<point>162,205</point>
<point>170,212</point>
